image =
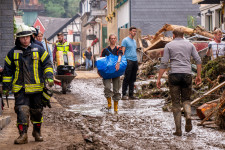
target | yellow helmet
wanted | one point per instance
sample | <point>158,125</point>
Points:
<point>23,30</point>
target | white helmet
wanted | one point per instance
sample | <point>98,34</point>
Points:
<point>23,30</point>
<point>33,29</point>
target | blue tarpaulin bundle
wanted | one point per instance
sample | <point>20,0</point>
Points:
<point>106,66</point>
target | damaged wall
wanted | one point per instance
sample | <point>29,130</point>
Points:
<point>151,15</point>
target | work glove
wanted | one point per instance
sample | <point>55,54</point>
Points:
<point>6,92</point>
<point>46,103</point>
<point>50,82</point>
<point>46,95</point>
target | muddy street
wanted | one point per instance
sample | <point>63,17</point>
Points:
<point>140,124</point>
<point>78,120</point>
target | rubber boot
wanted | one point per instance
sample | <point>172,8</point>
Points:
<point>109,102</point>
<point>116,106</point>
<point>177,120</point>
<point>187,114</point>
<point>37,132</point>
<point>22,139</point>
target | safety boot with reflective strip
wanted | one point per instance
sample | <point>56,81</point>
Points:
<point>22,139</point>
<point>37,132</point>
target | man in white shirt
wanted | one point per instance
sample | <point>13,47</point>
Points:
<point>216,47</point>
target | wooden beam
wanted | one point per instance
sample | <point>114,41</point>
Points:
<point>207,93</point>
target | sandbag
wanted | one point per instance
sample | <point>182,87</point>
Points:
<point>106,66</point>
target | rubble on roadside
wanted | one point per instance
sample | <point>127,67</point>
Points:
<point>212,71</point>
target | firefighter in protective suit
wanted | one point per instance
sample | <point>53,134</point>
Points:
<point>27,68</point>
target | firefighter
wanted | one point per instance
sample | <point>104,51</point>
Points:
<point>27,68</point>
<point>35,34</point>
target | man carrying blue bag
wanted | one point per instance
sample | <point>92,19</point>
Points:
<point>112,77</point>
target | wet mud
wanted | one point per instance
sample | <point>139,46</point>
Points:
<point>140,124</point>
<point>78,121</point>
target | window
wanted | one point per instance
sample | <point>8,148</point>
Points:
<point>220,18</point>
<point>210,23</point>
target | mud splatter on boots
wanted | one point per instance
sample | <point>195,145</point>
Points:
<point>109,103</point>
<point>116,106</point>
<point>187,114</point>
<point>177,120</point>
<point>22,139</point>
<point>37,132</point>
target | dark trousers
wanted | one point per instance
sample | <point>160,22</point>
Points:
<point>28,105</point>
<point>180,85</point>
<point>130,77</point>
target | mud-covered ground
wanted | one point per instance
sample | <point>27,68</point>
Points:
<point>140,124</point>
<point>78,120</point>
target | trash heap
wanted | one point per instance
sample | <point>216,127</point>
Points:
<point>148,70</point>
<point>220,115</point>
<point>207,97</point>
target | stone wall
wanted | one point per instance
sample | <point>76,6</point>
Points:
<point>6,28</point>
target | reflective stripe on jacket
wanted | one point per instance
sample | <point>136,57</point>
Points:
<point>65,47</point>
<point>27,68</point>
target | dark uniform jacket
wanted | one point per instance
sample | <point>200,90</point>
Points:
<point>38,43</point>
<point>27,68</point>
<point>116,51</point>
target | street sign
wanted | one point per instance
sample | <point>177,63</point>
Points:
<point>98,13</point>
<point>91,37</point>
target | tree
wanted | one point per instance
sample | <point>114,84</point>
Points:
<point>61,8</point>
<point>191,21</point>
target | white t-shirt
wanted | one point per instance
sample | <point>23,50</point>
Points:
<point>218,49</point>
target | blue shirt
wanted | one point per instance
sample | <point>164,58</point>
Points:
<point>130,48</point>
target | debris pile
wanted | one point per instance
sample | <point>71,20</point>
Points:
<point>148,70</point>
<point>220,115</point>
<point>206,96</point>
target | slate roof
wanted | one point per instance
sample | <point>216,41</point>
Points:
<point>151,15</point>
<point>52,24</point>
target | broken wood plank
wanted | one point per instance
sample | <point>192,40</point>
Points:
<point>207,93</point>
<point>155,53</point>
<point>213,111</point>
<point>205,109</point>
<point>159,43</point>
<point>169,27</point>
<point>199,30</point>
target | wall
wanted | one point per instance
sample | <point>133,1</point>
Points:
<point>85,7</point>
<point>112,25</point>
<point>84,30</point>
<point>151,15</point>
<point>29,18</point>
<point>6,28</point>
<point>214,21</point>
<point>124,15</point>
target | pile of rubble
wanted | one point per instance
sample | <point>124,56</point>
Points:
<point>152,47</point>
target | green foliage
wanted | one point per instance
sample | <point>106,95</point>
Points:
<point>191,21</point>
<point>61,8</point>
<point>214,68</point>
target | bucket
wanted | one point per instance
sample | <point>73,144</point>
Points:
<point>59,58</point>
<point>70,59</point>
